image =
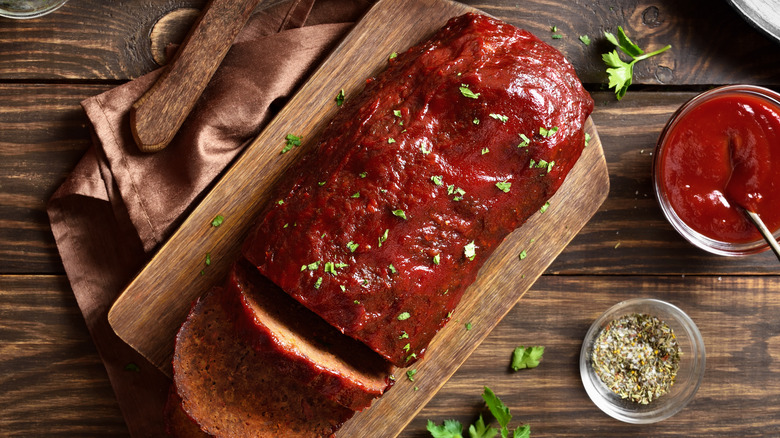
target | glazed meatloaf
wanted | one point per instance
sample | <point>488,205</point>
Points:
<point>385,223</point>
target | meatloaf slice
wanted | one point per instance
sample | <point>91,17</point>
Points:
<point>419,178</point>
<point>302,345</point>
<point>230,390</point>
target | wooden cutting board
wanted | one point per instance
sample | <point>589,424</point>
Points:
<point>149,312</point>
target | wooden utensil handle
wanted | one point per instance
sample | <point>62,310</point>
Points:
<point>159,113</point>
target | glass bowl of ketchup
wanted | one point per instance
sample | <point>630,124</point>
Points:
<point>718,156</point>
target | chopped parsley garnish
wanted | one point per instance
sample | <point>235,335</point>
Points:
<point>410,374</point>
<point>504,186</point>
<point>314,265</point>
<point>399,213</point>
<point>544,207</point>
<point>383,237</point>
<point>217,220</point>
<point>330,268</point>
<point>291,141</point>
<point>557,36</point>
<point>585,39</point>
<point>436,259</point>
<point>468,326</point>
<point>393,56</point>
<point>475,121</point>
<point>391,140</point>
<point>523,254</point>
<point>321,183</point>
<point>208,259</point>
<point>426,148</point>
<point>485,151</point>
<point>397,113</point>
<point>587,139</point>
<point>470,250</point>
<point>553,28</point>
<point>621,73</point>
<point>466,92</point>
<point>526,357</point>
<point>411,356</point>
<point>392,269</point>
<point>404,316</point>
<point>404,335</point>
<point>526,141</point>
<point>343,288</point>
<point>355,195</point>
<point>452,190</point>
<point>437,179</point>
<point>318,283</point>
<point>542,164</point>
<point>280,202</point>
<point>406,348</point>
<point>340,98</point>
<point>499,117</point>
<point>363,174</point>
<point>352,246</point>
<point>547,133</point>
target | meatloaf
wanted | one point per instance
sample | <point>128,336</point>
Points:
<point>416,181</point>
<point>229,391</point>
<point>299,344</point>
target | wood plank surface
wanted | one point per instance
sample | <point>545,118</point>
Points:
<point>104,40</point>
<point>49,365</point>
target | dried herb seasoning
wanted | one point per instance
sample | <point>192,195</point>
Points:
<point>637,357</point>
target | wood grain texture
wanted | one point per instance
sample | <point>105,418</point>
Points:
<point>100,40</point>
<point>52,380</point>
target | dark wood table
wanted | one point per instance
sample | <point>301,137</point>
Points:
<point>52,381</point>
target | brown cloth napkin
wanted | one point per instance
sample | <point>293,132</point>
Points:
<point>119,204</point>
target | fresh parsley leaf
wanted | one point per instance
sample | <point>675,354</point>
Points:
<point>410,374</point>
<point>392,269</point>
<point>481,430</point>
<point>437,179</point>
<point>504,186</point>
<point>587,139</point>
<point>340,98</point>
<point>399,213</point>
<point>585,39</point>
<point>290,141</point>
<point>526,141</point>
<point>466,92</point>
<point>523,431</point>
<point>547,133</point>
<point>499,117</point>
<point>318,283</point>
<point>620,73</point>
<point>217,220</point>
<point>450,429</point>
<point>393,56</point>
<point>526,357</point>
<point>397,113</point>
<point>391,140</point>
<point>544,207</point>
<point>352,246</point>
<point>314,265</point>
<point>557,36</point>
<point>468,326</point>
<point>404,316</point>
<point>499,410</point>
<point>485,151</point>
<point>208,259</point>
<point>436,259</point>
<point>523,255</point>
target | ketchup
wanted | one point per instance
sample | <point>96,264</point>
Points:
<point>722,155</point>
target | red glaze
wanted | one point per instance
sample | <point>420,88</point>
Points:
<point>379,155</point>
<point>720,155</point>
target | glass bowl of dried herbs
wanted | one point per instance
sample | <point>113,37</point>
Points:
<point>642,360</point>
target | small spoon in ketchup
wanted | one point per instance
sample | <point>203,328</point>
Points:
<point>741,188</point>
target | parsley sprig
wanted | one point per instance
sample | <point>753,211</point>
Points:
<point>620,72</point>
<point>480,429</point>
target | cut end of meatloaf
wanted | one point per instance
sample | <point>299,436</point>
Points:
<point>230,390</point>
<point>301,344</point>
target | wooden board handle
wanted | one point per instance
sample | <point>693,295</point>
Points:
<point>159,113</point>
